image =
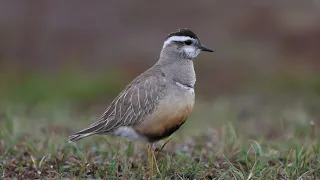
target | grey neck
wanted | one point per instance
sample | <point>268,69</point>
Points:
<point>177,68</point>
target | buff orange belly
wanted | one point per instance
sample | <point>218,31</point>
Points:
<point>168,118</point>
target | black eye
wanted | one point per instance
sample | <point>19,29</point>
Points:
<point>188,42</point>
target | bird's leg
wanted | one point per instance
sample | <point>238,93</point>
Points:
<point>150,160</point>
<point>155,162</point>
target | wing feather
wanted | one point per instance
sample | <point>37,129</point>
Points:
<point>130,107</point>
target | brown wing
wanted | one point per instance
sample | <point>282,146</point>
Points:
<point>130,107</point>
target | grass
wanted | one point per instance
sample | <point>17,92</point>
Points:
<point>234,137</point>
<point>32,145</point>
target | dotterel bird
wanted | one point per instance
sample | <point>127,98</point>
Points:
<point>157,102</point>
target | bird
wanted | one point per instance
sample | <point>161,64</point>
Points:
<point>157,102</point>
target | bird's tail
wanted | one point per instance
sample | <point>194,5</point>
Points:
<point>76,136</point>
<point>91,130</point>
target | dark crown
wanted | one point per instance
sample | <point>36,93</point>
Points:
<point>183,32</point>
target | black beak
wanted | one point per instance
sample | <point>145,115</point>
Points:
<point>203,48</point>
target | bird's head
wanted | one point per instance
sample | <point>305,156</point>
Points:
<point>183,43</point>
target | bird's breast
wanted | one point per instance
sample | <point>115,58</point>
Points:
<point>169,115</point>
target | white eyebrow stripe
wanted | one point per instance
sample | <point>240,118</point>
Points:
<point>176,38</point>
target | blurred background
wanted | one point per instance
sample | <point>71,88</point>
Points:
<point>62,62</point>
